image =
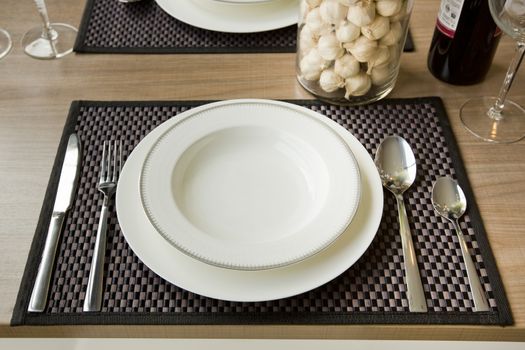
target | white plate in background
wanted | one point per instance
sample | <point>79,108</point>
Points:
<point>233,17</point>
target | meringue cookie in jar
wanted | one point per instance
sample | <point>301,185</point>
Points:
<point>348,51</point>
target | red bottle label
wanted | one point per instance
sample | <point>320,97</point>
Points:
<point>448,16</point>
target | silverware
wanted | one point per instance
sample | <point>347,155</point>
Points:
<point>64,198</point>
<point>396,164</point>
<point>449,201</point>
<point>110,168</point>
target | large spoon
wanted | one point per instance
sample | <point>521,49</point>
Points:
<point>450,202</point>
<point>396,164</point>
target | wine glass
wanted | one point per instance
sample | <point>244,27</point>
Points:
<point>5,43</point>
<point>51,40</point>
<point>497,119</point>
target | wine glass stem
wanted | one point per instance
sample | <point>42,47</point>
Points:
<point>42,10</point>
<point>495,111</point>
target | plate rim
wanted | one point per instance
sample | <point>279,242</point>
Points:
<point>187,11</point>
<point>243,2</point>
<point>226,111</point>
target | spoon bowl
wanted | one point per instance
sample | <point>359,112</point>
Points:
<point>449,201</point>
<point>396,164</point>
<point>448,198</point>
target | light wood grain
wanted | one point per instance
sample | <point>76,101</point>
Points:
<point>35,97</point>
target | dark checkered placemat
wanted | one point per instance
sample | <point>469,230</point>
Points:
<point>109,26</point>
<point>371,291</point>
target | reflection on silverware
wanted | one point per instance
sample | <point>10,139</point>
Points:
<point>64,198</point>
<point>450,202</point>
<point>110,169</point>
<point>396,164</point>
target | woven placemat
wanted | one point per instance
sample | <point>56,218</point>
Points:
<point>109,26</point>
<point>371,291</point>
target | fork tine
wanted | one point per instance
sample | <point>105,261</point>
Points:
<point>103,163</point>
<point>115,151</point>
<point>108,164</point>
<point>120,156</point>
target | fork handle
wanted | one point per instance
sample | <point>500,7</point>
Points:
<point>93,301</point>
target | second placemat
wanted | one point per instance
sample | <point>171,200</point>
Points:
<point>109,26</point>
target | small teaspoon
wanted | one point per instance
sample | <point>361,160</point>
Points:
<point>449,201</point>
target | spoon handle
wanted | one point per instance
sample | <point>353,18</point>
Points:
<point>478,294</point>
<point>416,296</point>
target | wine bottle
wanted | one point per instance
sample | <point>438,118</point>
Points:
<point>464,42</point>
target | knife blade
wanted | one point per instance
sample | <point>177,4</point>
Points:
<point>64,198</point>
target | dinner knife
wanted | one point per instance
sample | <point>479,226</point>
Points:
<point>65,193</point>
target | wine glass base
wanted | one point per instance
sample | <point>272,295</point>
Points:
<point>37,45</point>
<point>5,43</point>
<point>508,129</point>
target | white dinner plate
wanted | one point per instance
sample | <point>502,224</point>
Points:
<point>243,2</point>
<point>233,17</point>
<point>250,185</point>
<point>236,285</point>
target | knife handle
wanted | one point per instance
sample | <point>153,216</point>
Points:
<point>45,268</point>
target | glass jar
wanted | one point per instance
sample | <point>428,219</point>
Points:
<point>348,51</point>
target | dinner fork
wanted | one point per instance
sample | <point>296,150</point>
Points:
<point>110,168</point>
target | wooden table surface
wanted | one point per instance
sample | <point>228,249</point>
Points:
<point>35,97</point>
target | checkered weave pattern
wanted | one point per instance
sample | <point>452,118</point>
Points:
<point>372,291</point>
<point>112,26</point>
<point>375,284</point>
<point>109,26</point>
